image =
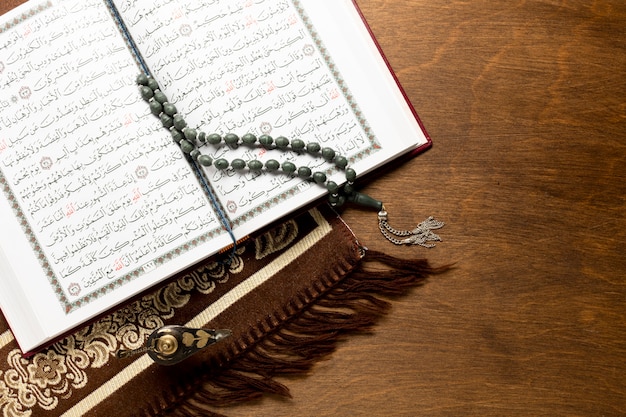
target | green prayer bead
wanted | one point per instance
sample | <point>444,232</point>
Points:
<point>195,154</point>
<point>142,79</point>
<point>255,165</point>
<point>313,147</point>
<point>341,200</point>
<point>350,174</point>
<point>205,160</point>
<point>289,167</point>
<point>231,139</point>
<point>341,162</point>
<point>319,177</point>
<point>155,107</point>
<point>221,163</point>
<point>272,165</point>
<point>177,135</point>
<point>266,140</point>
<point>146,92</point>
<point>201,137</point>
<point>333,198</point>
<point>348,189</point>
<point>169,108</point>
<point>332,187</point>
<point>190,134</point>
<point>282,142</point>
<point>248,139</point>
<point>186,146</point>
<point>214,138</point>
<point>238,164</point>
<point>328,154</point>
<point>304,172</point>
<point>152,83</point>
<point>179,122</point>
<point>298,145</point>
<point>160,97</point>
<point>166,120</point>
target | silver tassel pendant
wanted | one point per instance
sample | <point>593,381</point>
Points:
<point>421,235</point>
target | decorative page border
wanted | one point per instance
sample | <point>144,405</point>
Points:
<point>25,16</point>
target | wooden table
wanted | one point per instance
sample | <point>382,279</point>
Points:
<point>526,105</point>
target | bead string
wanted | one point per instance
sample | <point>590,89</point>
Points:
<point>188,139</point>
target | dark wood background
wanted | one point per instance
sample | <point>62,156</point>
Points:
<point>526,103</point>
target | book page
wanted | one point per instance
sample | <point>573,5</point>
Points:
<point>95,196</point>
<point>264,67</point>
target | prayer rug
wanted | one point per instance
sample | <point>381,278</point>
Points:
<point>287,296</point>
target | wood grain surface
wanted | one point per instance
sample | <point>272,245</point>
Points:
<point>526,103</point>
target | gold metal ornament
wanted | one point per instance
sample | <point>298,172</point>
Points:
<point>169,345</point>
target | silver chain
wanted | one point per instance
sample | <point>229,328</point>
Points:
<point>422,234</point>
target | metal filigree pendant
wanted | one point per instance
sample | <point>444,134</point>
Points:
<point>422,234</point>
<point>168,345</point>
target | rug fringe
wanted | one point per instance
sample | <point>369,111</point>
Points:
<point>353,305</point>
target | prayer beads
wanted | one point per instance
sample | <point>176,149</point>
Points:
<point>188,139</point>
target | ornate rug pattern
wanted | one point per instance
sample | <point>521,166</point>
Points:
<point>286,309</point>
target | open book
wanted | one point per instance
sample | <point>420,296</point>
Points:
<point>97,203</point>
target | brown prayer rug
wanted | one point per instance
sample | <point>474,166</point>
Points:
<point>287,297</point>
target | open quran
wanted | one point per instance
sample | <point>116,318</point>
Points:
<point>98,204</point>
